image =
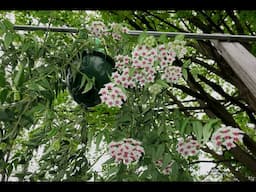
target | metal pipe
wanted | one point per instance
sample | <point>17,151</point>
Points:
<point>42,28</point>
<point>198,36</point>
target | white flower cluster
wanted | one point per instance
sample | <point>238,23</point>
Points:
<point>112,95</point>
<point>142,67</point>
<point>172,74</point>
<point>227,136</point>
<point>122,75</point>
<point>150,41</point>
<point>99,29</point>
<point>124,78</point>
<point>179,48</point>
<point>126,151</point>
<point>122,61</point>
<point>117,29</point>
<point>143,59</point>
<point>166,55</point>
<point>188,147</point>
<point>167,170</point>
<point>155,89</point>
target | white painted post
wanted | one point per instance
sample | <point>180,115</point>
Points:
<point>240,60</point>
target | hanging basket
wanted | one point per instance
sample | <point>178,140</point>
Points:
<point>95,65</point>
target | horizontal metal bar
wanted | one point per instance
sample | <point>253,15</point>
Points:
<point>198,36</point>
<point>53,29</point>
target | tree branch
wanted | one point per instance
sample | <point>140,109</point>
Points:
<point>245,159</point>
<point>213,161</point>
<point>211,22</point>
<point>233,100</point>
<point>213,104</point>
<point>144,21</point>
<point>238,25</point>
<point>198,23</point>
<point>180,105</point>
<point>237,174</point>
<point>207,66</point>
<point>250,144</point>
<point>166,22</point>
<point>189,91</point>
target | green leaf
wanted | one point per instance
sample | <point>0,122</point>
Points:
<point>7,25</point>
<point>83,34</point>
<point>167,159</point>
<point>7,40</point>
<point>44,82</point>
<point>113,170</point>
<point>60,175</point>
<point>194,72</point>
<point>90,137</point>
<point>98,140</point>
<point>160,130</point>
<point>177,123</point>
<point>52,132</point>
<point>186,63</point>
<point>2,78</point>
<point>162,83</point>
<point>151,151</point>
<point>90,83</point>
<point>148,116</point>
<point>84,134</point>
<point>198,130</point>
<point>208,129</point>
<point>5,116</point>
<point>3,94</point>
<point>176,117</point>
<point>159,151</point>
<point>37,109</point>
<point>142,37</point>
<point>2,28</point>
<point>179,37</point>
<point>175,171</point>
<point>9,169</point>
<point>51,147</point>
<point>183,126</point>
<point>16,95</point>
<point>19,77</point>
<point>56,145</point>
<point>131,71</point>
<point>109,161</point>
<point>84,79</point>
<point>185,73</point>
<point>125,118</point>
<point>163,38</point>
<point>3,146</point>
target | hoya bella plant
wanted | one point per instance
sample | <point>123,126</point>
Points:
<point>144,140</point>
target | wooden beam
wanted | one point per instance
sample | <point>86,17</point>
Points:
<point>240,60</point>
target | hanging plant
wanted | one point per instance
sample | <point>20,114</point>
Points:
<point>90,71</point>
<point>93,71</point>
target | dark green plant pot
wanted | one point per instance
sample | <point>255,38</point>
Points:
<point>94,64</point>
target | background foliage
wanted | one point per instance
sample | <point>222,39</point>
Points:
<point>46,136</point>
